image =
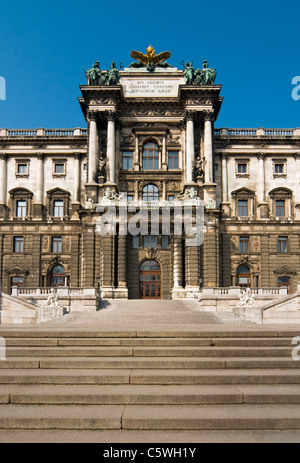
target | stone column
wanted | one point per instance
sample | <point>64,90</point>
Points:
<point>177,262</point>
<point>224,179</point>
<point>263,208</point>
<point>261,178</point>
<point>136,162</point>
<point>40,178</point>
<point>192,267</point>
<point>164,164</point>
<point>3,178</point>
<point>38,206</point>
<point>208,147</point>
<point>122,283</point>
<point>76,191</point>
<point>111,145</point>
<point>190,147</point>
<point>93,147</point>
<point>297,186</point>
<point>225,202</point>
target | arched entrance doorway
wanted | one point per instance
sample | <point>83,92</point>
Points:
<point>57,276</point>
<point>150,280</point>
<point>243,276</point>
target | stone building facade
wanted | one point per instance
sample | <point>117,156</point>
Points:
<point>150,137</point>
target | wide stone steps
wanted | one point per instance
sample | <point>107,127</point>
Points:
<point>151,417</point>
<point>202,379</point>
<point>149,394</point>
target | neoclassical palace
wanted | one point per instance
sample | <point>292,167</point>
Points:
<point>151,136</point>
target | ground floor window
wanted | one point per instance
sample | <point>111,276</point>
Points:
<point>243,276</point>
<point>57,276</point>
<point>284,281</point>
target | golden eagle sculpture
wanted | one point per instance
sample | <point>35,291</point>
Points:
<point>150,60</point>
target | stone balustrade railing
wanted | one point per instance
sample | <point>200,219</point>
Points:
<point>23,133</point>
<point>259,132</point>
<point>237,291</point>
<point>63,291</point>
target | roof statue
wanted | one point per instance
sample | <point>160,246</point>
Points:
<point>150,60</point>
<point>204,76</point>
<point>95,76</point>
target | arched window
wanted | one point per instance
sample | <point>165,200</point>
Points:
<point>150,193</point>
<point>57,276</point>
<point>150,156</point>
<point>243,276</point>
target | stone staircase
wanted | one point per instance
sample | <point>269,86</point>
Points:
<point>202,378</point>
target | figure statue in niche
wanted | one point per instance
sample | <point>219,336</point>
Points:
<point>101,167</point>
<point>199,167</point>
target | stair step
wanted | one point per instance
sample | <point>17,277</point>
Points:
<point>217,417</point>
<point>147,362</point>
<point>128,394</point>
<point>153,376</point>
<point>78,332</point>
<point>60,417</point>
<point>121,394</point>
<point>148,351</point>
<point>151,417</point>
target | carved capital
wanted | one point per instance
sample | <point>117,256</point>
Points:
<point>39,155</point>
<point>92,116</point>
<point>77,154</point>
<point>3,156</point>
<point>297,156</point>
<point>111,116</point>
<point>189,115</point>
<point>261,155</point>
<point>208,116</point>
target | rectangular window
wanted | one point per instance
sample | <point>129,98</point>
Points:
<point>242,208</point>
<point>171,198</point>
<point>164,242</point>
<point>22,169</point>
<point>17,281</point>
<point>173,157</point>
<point>282,244</point>
<point>150,241</point>
<point>56,244</point>
<point>18,244</point>
<point>242,168</point>
<point>244,244</point>
<point>59,168</point>
<point>284,281</point>
<point>278,168</point>
<point>21,208</point>
<point>127,160</point>
<point>58,208</point>
<point>280,208</point>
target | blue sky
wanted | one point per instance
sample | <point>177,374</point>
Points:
<point>44,45</point>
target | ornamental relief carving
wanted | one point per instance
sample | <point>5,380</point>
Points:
<point>103,101</point>
<point>152,112</point>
